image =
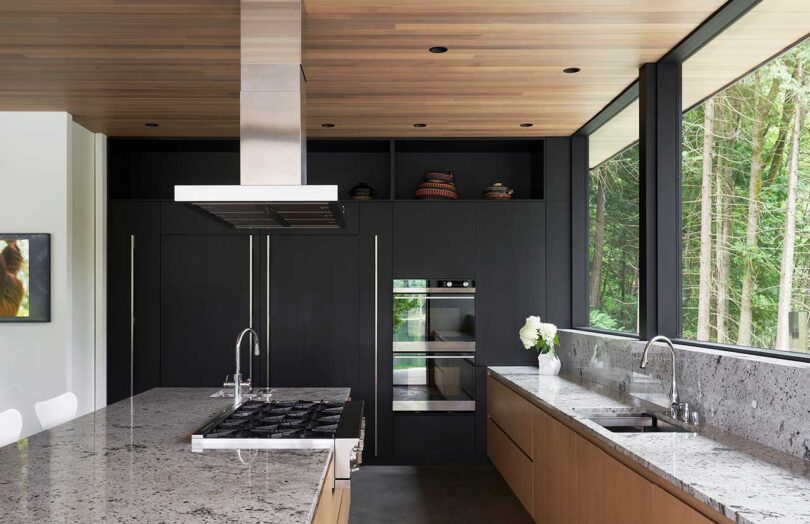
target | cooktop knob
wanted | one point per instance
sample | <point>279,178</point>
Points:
<point>449,284</point>
<point>466,284</point>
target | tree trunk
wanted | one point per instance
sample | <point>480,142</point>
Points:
<point>595,295</point>
<point>705,282</point>
<point>789,242</point>
<point>778,151</point>
<point>761,107</point>
<point>778,154</point>
<point>722,255</point>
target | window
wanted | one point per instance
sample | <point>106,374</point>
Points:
<point>746,199</point>
<point>613,205</point>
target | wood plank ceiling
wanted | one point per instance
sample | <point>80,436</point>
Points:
<point>118,64</point>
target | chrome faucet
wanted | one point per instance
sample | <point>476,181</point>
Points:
<point>237,378</point>
<point>673,394</point>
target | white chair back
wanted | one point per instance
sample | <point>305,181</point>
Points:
<point>57,410</point>
<point>10,427</point>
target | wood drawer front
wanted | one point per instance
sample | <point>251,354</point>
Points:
<point>328,510</point>
<point>669,510</point>
<point>608,491</point>
<point>556,498</point>
<point>513,414</point>
<point>514,465</point>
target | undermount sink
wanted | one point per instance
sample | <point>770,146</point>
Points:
<point>636,423</point>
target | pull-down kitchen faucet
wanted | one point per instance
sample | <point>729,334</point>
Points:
<point>673,394</point>
<point>237,378</point>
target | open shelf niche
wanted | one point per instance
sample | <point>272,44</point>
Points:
<point>148,169</point>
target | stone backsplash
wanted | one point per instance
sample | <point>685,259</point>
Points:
<point>760,398</point>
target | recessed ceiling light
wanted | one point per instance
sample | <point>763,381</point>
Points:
<point>327,125</point>
<point>420,125</point>
<point>571,70</point>
<point>438,49</point>
<point>527,124</point>
<point>151,124</point>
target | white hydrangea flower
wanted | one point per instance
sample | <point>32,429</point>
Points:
<point>534,331</point>
<point>547,332</point>
<point>528,333</point>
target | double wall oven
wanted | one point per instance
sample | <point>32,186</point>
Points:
<point>434,345</point>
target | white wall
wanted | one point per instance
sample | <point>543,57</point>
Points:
<point>48,182</point>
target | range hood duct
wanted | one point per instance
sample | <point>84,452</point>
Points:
<point>272,133</point>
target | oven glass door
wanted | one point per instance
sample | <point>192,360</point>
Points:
<point>434,382</point>
<point>428,321</point>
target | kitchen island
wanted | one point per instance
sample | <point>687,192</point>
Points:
<point>132,461</point>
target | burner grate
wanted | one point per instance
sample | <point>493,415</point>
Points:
<point>279,419</point>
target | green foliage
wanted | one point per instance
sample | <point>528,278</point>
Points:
<point>599,319</point>
<point>734,120</point>
<point>618,287</point>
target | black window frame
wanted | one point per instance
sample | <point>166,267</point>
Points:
<point>658,89</point>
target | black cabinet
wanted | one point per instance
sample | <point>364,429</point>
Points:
<point>434,240</point>
<point>376,326</point>
<point>434,437</point>
<point>133,268</point>
<point>205,302</point>
<point>510,278</point>
<point>314,310</point>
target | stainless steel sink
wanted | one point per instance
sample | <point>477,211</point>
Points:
<point>636,423</point>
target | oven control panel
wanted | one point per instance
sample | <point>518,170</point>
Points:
<point>460,284</point>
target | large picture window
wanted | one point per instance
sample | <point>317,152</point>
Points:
<point>746,209</point>
<point>614,223</point>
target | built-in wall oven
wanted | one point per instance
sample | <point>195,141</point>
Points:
<point>434,345</point>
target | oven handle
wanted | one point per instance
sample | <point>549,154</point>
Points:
<point>441,290</point>
<point>431,297</point>
<point>411,355</point>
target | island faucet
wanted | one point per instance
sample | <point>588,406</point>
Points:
<point>237,378</point>
<point>673,394</point>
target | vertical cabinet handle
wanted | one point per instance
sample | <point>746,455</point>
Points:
<point>376,337</point>
<point>250,301</point>
<point>267,309</point>
<point>131,315</point>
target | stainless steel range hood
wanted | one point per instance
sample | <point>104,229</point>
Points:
<point>272,133</point>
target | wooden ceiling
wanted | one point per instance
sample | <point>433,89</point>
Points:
<point>117,64</point>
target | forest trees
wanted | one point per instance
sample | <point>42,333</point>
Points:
<point>614,234</point>
<point>757,166</point>
<point>745,215</point>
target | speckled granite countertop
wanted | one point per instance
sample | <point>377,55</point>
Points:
<point>132,462</point>
<point>744,480</point>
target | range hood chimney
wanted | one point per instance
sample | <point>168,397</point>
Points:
<point>272,131</point>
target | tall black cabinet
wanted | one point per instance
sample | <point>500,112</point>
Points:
<point>133,295</point>
<point>205,301</point>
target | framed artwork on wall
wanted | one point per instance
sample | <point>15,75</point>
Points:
<point>25,277</point>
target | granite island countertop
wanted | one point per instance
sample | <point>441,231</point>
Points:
<point>744,480</point>
<point>132,461</point>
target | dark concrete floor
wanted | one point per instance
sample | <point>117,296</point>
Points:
<point>466,494</point>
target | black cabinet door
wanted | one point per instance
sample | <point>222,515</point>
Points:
<point>205,302</point>
<point>314,311</point>
<point>133,264</point>
<point>510,278</point>
<point>434,240</point>
<point>375,327</point>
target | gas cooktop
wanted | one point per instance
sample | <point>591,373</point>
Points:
<point>278,420</point>
<point>300,424</point>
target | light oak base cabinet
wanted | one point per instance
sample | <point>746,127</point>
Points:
<point>333,504</point>
<point>561,477</point>
<point>513,464</point>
